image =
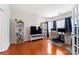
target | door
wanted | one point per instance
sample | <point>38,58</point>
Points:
<point>75,30</point>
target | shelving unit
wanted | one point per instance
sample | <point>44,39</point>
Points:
<point>19,31</point>
<point>75,29</point>
<point>44,30</point>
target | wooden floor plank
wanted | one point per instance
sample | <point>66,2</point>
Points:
<point>39,47</point>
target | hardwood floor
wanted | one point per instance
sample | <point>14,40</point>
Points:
<point>40,47</point>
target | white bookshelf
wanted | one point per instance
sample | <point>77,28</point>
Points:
<point>19,31</point>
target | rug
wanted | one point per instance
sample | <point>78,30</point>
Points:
<point>57,44</point>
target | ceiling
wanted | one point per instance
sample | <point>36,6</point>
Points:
<point>44,10</point>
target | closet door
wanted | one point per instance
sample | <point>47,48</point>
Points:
<point>4,28</point>
<point>1,31</point>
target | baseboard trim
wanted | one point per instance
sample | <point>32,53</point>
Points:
<point>5,49</point>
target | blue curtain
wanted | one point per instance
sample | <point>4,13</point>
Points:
<point>47,29</point>
<point>54,25</point>
<point>68,24</point>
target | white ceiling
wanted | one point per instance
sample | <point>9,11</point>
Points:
<point>44,10</point>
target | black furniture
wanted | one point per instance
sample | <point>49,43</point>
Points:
<point>35,33</point>
<point>61,30</point>
<point>60,33</point>
<point>35,30</point>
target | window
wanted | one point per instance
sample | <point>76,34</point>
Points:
<point>61,24</point>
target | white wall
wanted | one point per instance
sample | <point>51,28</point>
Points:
<point>59,18</point>
<point>4,27</point>
<point>62,16</point>
<point>29,20</point>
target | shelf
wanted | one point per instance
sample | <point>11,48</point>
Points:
<point>19,31</point>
